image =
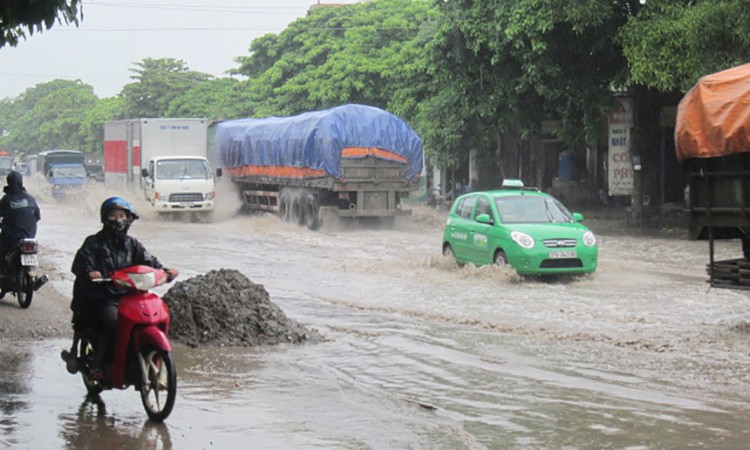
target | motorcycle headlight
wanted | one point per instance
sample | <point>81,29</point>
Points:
<point>589,240</point>
<point>522,239</point>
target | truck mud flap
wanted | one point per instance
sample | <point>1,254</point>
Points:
<point>261,200</point>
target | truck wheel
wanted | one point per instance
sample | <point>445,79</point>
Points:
<point>298,211</point>
<point>312,217</point>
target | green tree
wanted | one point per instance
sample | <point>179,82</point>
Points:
<point>671,44</point>
<point>515,63</point>
<point>214,99</point>
<point>49,116</point>
<point>18,17</point>
<point>370,53</point>
<point>92,127</point>
<point>157,83</point>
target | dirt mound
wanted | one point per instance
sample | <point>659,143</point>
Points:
<point>223,307</point>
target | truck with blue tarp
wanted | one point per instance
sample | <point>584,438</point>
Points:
<point>352,161</point>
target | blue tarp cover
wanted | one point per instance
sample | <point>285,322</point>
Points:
<point>315,139</point>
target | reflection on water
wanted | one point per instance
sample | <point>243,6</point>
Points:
<point>421,353</point>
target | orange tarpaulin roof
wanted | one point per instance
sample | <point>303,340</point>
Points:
<point>713,119</point>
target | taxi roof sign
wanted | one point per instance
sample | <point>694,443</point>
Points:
<point>512,183</point>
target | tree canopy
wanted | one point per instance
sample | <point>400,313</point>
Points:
<point>156,83</point>
<point>368,53</point>
<point>464,74</point>
<point>669,45</point>
<point>48,116</point>
<point>19,17</point>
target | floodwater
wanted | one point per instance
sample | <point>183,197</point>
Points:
<point>419,353</point>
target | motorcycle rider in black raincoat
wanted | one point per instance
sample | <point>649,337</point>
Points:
<point>19,212</point>
<point>101,254</point>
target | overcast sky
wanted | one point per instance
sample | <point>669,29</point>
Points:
<point>114,34</point>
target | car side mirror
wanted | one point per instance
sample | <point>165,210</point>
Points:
<point>485,219</point>
<point>144,173</point>
<point>578,217</point>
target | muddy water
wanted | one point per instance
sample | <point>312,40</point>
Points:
<point>419,353</point>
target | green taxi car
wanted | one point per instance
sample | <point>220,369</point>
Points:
<point>529,230</point>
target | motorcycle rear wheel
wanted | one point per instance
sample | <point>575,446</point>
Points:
<point>158,383</point>
<point>24,289</point>
<point>86,359</point>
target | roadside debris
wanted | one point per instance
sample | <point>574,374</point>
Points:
<point>223,307</point>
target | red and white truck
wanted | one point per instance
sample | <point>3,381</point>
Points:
<point>165,159</point>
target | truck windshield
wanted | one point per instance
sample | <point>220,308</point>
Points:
<point>179,169</point>
<point>68,172</point>
<point>5,163</point>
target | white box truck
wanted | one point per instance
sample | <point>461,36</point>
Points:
<point>165,159</point>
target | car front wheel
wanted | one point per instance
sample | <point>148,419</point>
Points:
<point>500,259</point>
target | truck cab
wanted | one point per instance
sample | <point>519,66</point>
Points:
<point>66,179</point>
<point>180,184</point>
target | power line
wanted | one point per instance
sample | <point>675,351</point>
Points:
<point>240,29</point>
<point>204,8</point>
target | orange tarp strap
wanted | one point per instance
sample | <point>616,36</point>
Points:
<point>276,171</point>
<point>361,152</point>
<point>305,172</point>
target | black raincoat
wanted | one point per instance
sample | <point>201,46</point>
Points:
<point>104,252</point>
<point>19,212</point>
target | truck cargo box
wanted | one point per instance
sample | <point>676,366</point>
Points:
<point>312,145</point>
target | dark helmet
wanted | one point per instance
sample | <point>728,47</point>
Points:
<point>119,203</point>
<point>14,182</point>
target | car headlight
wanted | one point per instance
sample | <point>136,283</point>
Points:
<point>589,240</point>
<point>522,239</point>
<point>209,196</point>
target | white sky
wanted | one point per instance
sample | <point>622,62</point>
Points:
<point>114,34</point>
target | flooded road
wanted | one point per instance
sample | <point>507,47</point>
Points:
<point>419,353</point>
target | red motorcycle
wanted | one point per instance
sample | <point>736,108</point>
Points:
<point>142,351</point>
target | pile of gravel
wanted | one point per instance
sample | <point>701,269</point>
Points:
<point>223,307</point>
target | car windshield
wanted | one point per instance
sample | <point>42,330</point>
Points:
<point>182,169</point>
<point>532,209</point>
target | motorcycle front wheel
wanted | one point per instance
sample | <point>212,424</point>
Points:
<point>86,360</point>
<point>158,383</point>
<point>24,289</point>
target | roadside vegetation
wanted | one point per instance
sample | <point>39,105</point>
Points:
<point>466,75</point>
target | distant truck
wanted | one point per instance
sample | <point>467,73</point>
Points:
<point>66,180</point>
<point>351,161</point>
<point>47,159</point>
<point>64,171</point>
<point>712,139</point>
<point>6,164</point>
<point>165,159</point>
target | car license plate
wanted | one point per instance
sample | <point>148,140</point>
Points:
<point>29,260</point>
<point>560,255</point>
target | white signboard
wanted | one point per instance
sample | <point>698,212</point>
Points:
<point>620,165</point>
<point>619,161</point>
